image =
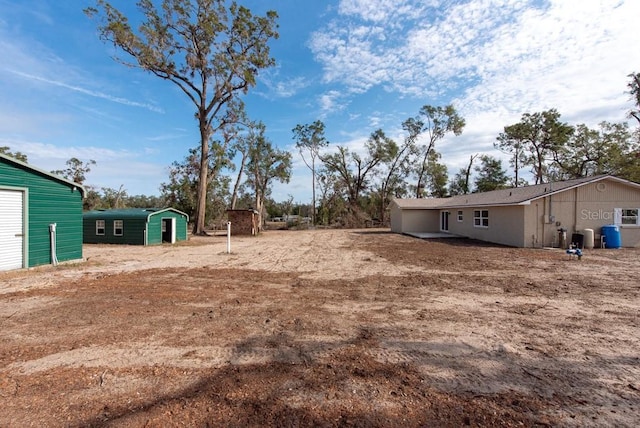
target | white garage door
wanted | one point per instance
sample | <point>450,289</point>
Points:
<point>11,238</point>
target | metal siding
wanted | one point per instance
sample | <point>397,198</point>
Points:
<point>11,229</point>
<point>134,230</point>
<point>155,226</point>
<point>132,233</point>
<point>154,230</point>
<point>49,201</point>
<point>181,227</point>
<point>54,203</point>
<point>135,224</point>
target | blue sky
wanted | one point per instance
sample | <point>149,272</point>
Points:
<point>357,65</point>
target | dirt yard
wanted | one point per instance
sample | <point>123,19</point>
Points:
<point>323,328</point>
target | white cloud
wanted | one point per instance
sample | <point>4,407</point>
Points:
<point>329,101</point>
<point>282,87</point>
<point>113,168</point>
<point>530,52</point>
<point>384,11</point>
<point>494,59</point>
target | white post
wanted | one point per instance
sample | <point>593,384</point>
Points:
<point>228,237</point>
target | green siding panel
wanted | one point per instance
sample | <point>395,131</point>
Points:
<point>137,222</point>
<point>132,231</point>
<point>154,230</point>
<point>49,201</point>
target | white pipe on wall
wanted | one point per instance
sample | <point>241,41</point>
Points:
<point>52,233</point>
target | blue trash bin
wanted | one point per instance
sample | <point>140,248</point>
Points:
<point>611,233</point>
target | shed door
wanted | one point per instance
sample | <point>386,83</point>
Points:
<point>11,229</point>
<point>169,230</point>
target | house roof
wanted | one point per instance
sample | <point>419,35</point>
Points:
<point>128,213</point>
<point>504,197</point>
<point>43,172</point>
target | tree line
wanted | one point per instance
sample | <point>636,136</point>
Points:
<point>358,186</point>
<point>213,51</point>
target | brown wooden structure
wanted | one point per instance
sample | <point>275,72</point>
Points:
<point>243,222</point>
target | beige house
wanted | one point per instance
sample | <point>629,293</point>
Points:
<point>528,216</point>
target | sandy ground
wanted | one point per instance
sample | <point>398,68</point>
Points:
<point>323,328</point>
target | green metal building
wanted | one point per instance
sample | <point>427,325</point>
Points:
<point>40,216</point>
<point>135,226</point>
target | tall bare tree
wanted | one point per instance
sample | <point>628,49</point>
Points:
<point>460,183</point>
<point>511,143</point>
<point>353,170</point>
<point>396,166</point>
<point>211,49</point>
<point>436,176</point>
<point>436,122</point>
<point>309,141</point>
<point>265,164</point>
<point>634,90</point>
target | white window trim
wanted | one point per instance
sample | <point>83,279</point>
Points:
<point>619,217</point>
<point>460,216</point>
<point>103,227</point>
<point>480,218</point>
<point>121,222</point>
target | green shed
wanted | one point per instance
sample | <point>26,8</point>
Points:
<point>135,226</point>
<point>40,216</point>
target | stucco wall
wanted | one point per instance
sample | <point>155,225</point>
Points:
<point>419,221</point>
<point>590,206</point>
<point>395,218</point>
<point>505,225</point>
<point>414,220</point>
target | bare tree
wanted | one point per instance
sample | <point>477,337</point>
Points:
<point>211,49</point>
<point>436,122</point>
<point>265,164</point>
<point>310,139</point>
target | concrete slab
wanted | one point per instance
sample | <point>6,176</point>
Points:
<point>432,235</point>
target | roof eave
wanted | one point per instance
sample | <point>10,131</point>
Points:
<point>73,184</point>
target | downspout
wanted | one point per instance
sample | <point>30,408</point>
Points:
<point>575,210</point>
<point>550,203</point>
<point>145,234</point>
<point>544,210</point>
<point>52,233</point>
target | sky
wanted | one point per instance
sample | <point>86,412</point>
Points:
<point>357,65</point>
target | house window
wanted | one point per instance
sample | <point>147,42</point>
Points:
<point>99,227</point>
<point>118,227</point>
<point>630,216</point>
<point>481,218</point>
<point>460,216</point>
